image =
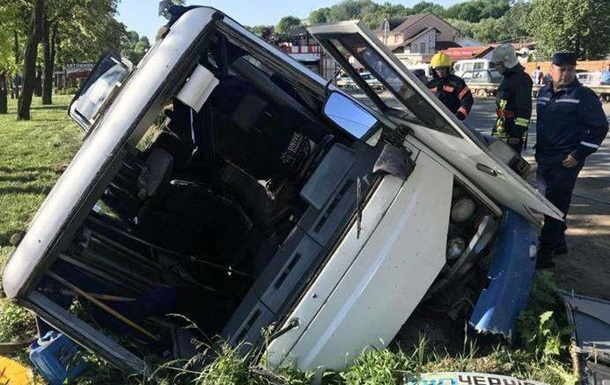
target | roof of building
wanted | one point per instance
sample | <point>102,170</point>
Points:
<point>463,53</point>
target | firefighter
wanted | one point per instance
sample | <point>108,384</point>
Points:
<point>450,89</point>
<point>513,99</point>
<point>571,125</point>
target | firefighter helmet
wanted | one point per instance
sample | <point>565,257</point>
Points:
<point>505,54</point>
<point>440,60</point>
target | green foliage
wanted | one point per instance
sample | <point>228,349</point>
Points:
<point>288,25</point>
<point>371,13</point>
<point>320,15</point>
<point>376,366</point>
<point>477,10</point>
<point>571,25</point>
<point>11,20</point>
<point>539,331</point>
<point>134,46</point>
<point>425,6</point>
<point>16,323</point>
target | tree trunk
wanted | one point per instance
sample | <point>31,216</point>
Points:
<point>3,93</point>
<point>16,48</point>
<point>29,66</point>
<point>48,41</point>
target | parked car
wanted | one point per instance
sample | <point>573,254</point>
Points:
<point>483,82</point>
<point>461,66</point>
<point>348,83</point>
<point>221,180</point>
<point>589,78</point>
<point>482,76</point>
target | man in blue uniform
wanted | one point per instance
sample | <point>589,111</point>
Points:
<point>571,125</point>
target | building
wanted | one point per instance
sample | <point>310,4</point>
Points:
<point>302,47</point>
<point>416,38</point>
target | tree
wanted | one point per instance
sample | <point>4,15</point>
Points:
<point>580,26</point>
<point>426,6</point>
<point>29,66</point>
<point>135,47</point>
<point>288,24</point>
<point>517,18</point>
<point>320,15</point>
<point>350,9</point>
<point>13,25</point>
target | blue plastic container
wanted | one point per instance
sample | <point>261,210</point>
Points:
<point>55,357</point>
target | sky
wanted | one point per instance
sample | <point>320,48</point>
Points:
<point>141,15</point>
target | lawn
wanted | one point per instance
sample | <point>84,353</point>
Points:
<point>33,155</point>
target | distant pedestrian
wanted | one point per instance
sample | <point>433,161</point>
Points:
<point>513,99</point>
<point>537,76</point>
<point>16,86</point>
<point>571,125</point>
<point>605,78</point>
<point>450,89</point>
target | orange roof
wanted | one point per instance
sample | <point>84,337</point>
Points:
<point>462,53</point>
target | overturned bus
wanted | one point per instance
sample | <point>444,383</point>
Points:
<point>222,181</point>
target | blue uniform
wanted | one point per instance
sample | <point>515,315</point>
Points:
<point>570,121</point>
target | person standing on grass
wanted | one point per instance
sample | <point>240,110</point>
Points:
<point>513,99</point>
<point>571,125</point>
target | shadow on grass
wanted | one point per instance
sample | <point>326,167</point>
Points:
<point>39,170</point>
<point>63,107</point>
<point>25,190</point>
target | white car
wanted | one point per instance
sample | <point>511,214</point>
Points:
<point>222,180</point>
<point>589,78</point>
<point>350,84</point>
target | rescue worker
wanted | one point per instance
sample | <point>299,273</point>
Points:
<point>513,99</point>
<point>571,125</point>
<point>450,89</point>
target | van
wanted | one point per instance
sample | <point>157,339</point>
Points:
<point>462,66</point>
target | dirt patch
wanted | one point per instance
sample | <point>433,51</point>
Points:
<point>586,267</point>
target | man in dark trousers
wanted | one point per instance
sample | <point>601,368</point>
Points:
<point>450,89</point>
<point>513,99</point>
<point>571,125</point>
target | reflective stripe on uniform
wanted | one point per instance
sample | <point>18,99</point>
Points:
<point>543,98</point>
<point>463,110</point>
<point>522,122</point>
<point>574,101</point>
<point>592,145</point>
<point>541,103</point>
<point>505,113</point>
<point>464,92</point>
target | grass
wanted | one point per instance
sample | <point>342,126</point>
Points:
<point>33,155</point>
